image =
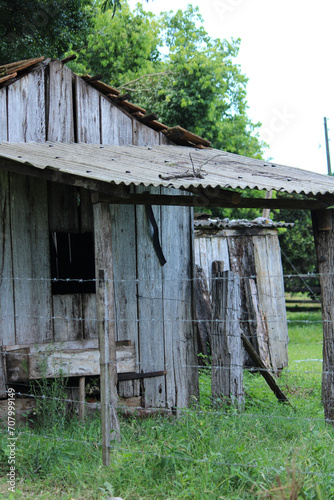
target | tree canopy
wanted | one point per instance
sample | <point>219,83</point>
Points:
<point>31,28</point>
<point>170,65</point>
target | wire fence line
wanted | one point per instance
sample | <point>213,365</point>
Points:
<point>117,448</point>
<point>162,279</point>
<point>196,407</point>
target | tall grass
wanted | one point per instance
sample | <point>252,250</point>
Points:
<point>272,450</point>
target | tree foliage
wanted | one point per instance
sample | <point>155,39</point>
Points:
<point>31,28</point>
<point>121,46</point>
<point>171,66</point>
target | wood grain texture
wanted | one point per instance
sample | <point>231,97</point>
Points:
<point>324,240</point>
<point>257,322</point>
<point>89,315</point>
<point>150,307</point>
<point>241,253</point>
<point>125,274</point>
<point>179,333</point>
<point>64,218</point>
<point>26,108</point>
<point>3,114</point>
<point>7,310</point>
<point>227,358</point>
<point>68,320</point>
<point>60,103</point>
<point>203,310</point>
<point>105,307</point>
<point>209,249</point>
<point>31,261</point>
<point>87,112</point>
<point>269,277</point>
<point>48,360</point>
<point>63,208</point>
<point>116,126</point>
<point>144,135</point>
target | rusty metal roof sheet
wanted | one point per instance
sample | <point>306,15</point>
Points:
<point>170,166</point>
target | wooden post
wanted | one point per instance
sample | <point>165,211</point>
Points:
<point>227,362</point>
<point>323,227</point>
<point>2,376</point>
<point>105,301</point>
<point>82,396</point>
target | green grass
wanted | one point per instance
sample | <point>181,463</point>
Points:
<point>210,452</point>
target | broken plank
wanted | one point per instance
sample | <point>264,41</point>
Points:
<point>264,372</point>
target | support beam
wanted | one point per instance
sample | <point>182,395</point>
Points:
<point>323,228</point>
<point>105,301</point>
<point>223,201</point>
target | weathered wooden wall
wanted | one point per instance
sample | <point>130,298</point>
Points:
<point>51,103</point>
<point>253,253</point>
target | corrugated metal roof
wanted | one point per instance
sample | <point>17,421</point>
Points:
<point>170,166</point>
<point>259,222</point>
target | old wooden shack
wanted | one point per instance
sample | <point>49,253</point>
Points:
<point>47,244</point>
<point>251,250</point>
<point>86,177</point>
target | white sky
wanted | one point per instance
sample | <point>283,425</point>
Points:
<point>287,54</point>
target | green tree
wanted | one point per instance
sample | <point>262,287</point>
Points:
<point>171,66</point>
<point>198,85</point>
<point>121,46</point>
<point>31,28</point>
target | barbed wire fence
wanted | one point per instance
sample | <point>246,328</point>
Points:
<point>214,409</point>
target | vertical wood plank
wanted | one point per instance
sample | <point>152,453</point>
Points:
<point>143,135</point>
<point>105,306</point>
<point>87,112</point>
<point>227,362</point>
<point>31,261</point>
<point>125,274</point>
<point>179,332</point>
<point>64,218</point>
<point>323,227</point>
<point>26,108</point>
<point>68,321</point>
<point>241,253</point>
<point>63,208</point>
<point>269,277</point>
<point>258,325</point>
<point>7,312</point>
<point>89,315</point>
<point>116,126</point>
<point>150,306</point>
<point>60,102</point>
<point>3,114</point>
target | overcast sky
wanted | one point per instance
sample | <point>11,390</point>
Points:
<point>287,54</point>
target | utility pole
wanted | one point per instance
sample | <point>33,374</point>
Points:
<point>329,168</point>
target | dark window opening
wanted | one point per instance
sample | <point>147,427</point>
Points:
<point>72,263</point>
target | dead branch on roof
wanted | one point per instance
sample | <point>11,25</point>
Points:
<point>196,173</point>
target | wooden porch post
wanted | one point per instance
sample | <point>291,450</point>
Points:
<point>323,227</point>
<point>105,301</point>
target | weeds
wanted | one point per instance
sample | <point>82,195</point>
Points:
<point>211,452</point>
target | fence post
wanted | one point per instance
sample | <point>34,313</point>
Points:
<point>226,350</point>
<point>105,302</point>
<point>323,228</point>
